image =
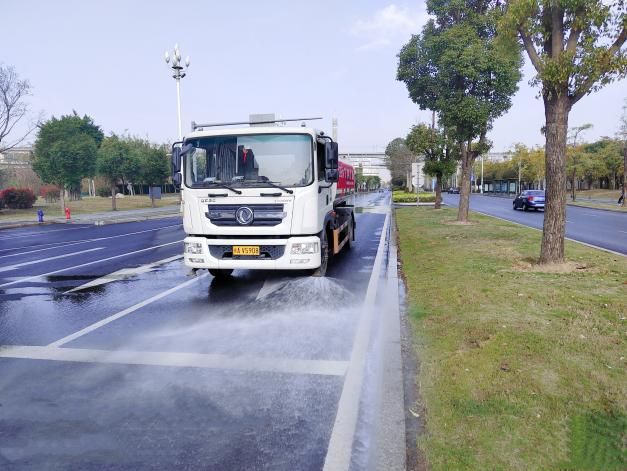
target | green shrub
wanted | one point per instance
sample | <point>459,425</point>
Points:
<point>405,197</point>
<point>103,192</point>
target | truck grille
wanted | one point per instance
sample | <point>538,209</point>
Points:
<point>266,252</point>
<point>263,214</point>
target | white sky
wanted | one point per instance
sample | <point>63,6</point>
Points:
<point>319,58</point>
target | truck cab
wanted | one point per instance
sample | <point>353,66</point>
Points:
<point>262,197</point>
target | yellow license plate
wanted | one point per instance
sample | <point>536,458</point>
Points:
<point>246,250</point>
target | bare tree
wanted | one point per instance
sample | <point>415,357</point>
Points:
<point>13,108</point>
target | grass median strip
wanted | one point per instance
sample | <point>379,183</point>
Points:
<point>522,367</point>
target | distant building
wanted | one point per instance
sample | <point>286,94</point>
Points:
<point>372,164</point>
<point>17,157</point>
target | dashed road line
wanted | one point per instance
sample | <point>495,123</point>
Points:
<point>58,245</point>
<point>133,308</point>
<point>28,278</point>
<point>40,260</point>
<point>124,273</point>
<point>43,233</point>
<point>177,359</point>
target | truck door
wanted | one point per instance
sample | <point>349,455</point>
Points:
<point>325,197</point>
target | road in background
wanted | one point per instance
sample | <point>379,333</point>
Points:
<point>606,229</point>
<point>112,358</point>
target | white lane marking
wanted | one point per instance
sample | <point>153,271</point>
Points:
<point>193,360</point>
<point>624,232</point>
<point>567,238</point>
<point>341,443</point>
<point>40,260</point>
<point>270,286</point>
<point>591,214</point>
<point>31,234</point>
<point>135,307</point>
<point>28,278</point>
<point>57,245</point>
<point>124,273</point>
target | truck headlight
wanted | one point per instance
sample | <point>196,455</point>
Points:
<point>304,248</point>
<point>193,247</point>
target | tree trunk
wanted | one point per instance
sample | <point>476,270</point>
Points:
<point>438,191</point>
<point>556,111</point>
<point>464,187</point>
<point>152,200</point>
<point>62,197</point>
<point>624,203</point>
<point>574,196</point>
<point>113,202</point>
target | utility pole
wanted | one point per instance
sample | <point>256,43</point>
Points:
<point>178,74</point>
<point>481,173</point>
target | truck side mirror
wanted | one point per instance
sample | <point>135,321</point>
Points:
<point>331,155</point>
<point>332,175</point>
<point>177,156</point>
<point>176,160</point>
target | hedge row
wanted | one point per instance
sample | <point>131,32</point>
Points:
<point>405,197</point>
<point>17,198</point>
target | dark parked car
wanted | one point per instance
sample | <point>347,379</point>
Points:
<point>454,190</point>
<point>529,199</point>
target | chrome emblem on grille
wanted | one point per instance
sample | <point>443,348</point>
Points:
<point>244,215</point>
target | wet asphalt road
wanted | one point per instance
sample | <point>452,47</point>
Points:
<point>606,229</point>
<point>149,369</point>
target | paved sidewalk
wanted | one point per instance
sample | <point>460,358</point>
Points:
<point>106,217</point>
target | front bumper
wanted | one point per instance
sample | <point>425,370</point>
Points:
<point>287,261</point>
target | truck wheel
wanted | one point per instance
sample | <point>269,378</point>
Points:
<point>351,233</point>
<point>220,273</point>
<point>324,255</point>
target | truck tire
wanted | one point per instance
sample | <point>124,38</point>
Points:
<point>351,233</point>
<point>324,255</point>
<point>220,273</point>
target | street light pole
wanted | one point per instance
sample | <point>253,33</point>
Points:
<point>178,74</point>
<point>481,173</point>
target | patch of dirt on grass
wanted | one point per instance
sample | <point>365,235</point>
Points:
<point>452,222</point>
<point>560,268</point>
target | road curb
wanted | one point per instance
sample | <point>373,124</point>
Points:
<point>592,207</point>
<point>95,221</point>
<point>390,438</point>
<point>613,252</point>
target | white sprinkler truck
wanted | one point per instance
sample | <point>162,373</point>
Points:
<point>263,196</point>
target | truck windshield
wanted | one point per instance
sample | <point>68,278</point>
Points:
<point>245,160</point>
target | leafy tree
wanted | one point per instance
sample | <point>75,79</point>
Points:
<point>114,158</point>
<point>574,134</point>
<point>435,146</point>
<point>576,47</point>
<point>155,168</point>
<point>65,151</point>
<point>460,69</point>
<point>399,160</point>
